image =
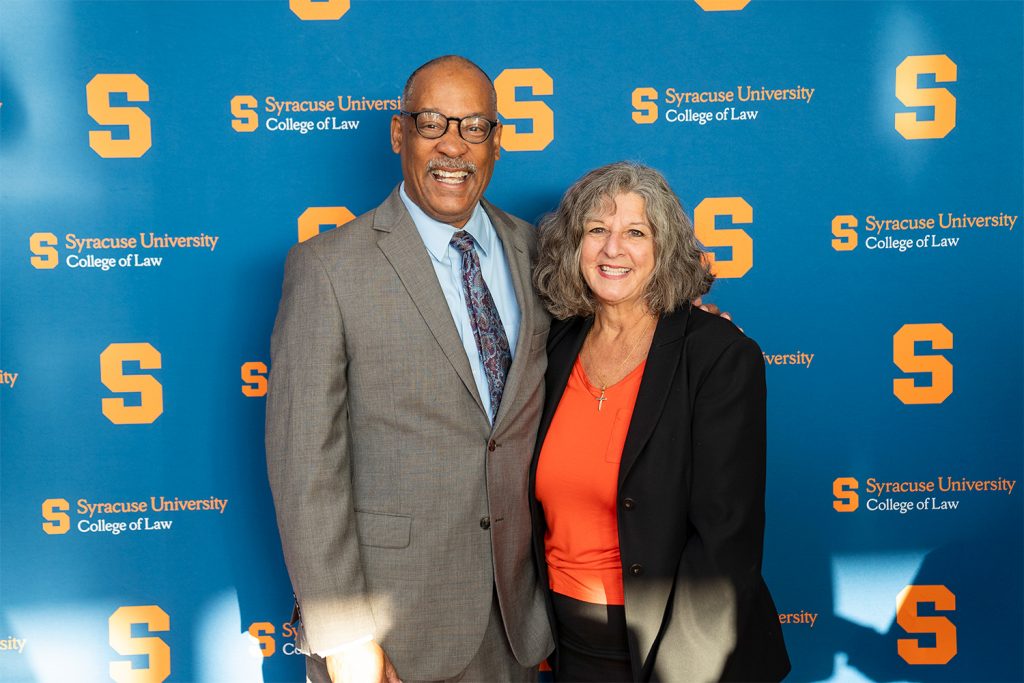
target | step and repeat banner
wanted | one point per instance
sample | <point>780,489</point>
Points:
<point>855,169</point>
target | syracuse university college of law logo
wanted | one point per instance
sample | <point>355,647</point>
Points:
<point>142,514</point>
<point>113,249</point>
<point>894,232</point>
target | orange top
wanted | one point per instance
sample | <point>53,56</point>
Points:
<point>577,483</point>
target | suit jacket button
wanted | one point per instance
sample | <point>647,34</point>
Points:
<point>485,523</point>
<point>636,569</point>
<point>629,503</point>
<point>491,445</point>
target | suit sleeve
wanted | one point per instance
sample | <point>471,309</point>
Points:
<point>308,456</point>
<point>728,479</point>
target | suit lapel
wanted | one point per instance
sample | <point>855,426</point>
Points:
<point>519,263</point>
<point>403,248</point>
<point>662,362</point>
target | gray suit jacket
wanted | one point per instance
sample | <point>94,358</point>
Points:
<point>400,508</point>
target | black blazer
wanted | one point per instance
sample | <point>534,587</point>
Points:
<point>691,502</point>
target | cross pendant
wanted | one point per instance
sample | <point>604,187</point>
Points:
<point>600,400</point>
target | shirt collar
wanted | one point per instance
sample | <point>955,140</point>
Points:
<point>437,235</point>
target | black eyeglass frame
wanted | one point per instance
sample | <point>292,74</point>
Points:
<point>448,119</point>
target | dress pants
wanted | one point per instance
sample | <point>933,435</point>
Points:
<point>591,642</point>
<point>492,663</point>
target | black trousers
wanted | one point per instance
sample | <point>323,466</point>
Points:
<point>591,642</point>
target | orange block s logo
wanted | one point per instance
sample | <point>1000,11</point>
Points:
<point>254,376</point>
<point>54,511</point>
<point>645,103</point>
<point>44,246</point>
<point>263,631</point>
<point>939,99</point>
<point>319,10</point>
<point>940,369</point>
<point>722,5</point>
<point>845,491</point>
<point>844,233</point>
<point>910,649</point>
<point>140,135</point>
<point>313,219</point>
<point>243,108</point>
<point>120,624</point>
<point>739,241</point>
<point>150,391</point>
<point>542,116</point>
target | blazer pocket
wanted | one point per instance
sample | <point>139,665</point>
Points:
<point>382,530</point>
<point>617,440</point>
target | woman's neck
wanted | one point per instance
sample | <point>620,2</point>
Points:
<point>614,321</point>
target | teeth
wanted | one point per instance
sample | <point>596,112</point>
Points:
<point>450,177</point>
<point>614,271</point>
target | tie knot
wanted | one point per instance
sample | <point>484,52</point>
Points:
<point>462,241</point>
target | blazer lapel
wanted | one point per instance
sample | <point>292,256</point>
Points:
<point>518,257</point>
<point>564,343</point>
<point>404,250</point>
<point>662,362</point>
<point>564,346</point>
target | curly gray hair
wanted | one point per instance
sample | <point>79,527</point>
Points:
<point>681,272</point>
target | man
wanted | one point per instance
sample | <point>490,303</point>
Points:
<point>408,361</point>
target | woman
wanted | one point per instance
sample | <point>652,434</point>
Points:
<point>648,481</point>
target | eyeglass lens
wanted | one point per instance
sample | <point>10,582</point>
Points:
<point>472,128</point>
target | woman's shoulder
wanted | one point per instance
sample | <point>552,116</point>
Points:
<point>708,336</point>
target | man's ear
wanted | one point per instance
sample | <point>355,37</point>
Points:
<point>396,133</point>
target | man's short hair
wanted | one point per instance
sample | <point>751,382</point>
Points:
<point>407,91</point>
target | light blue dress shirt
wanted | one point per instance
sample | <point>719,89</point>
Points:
<point>447,262</point>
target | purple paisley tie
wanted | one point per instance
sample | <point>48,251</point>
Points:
<point>491,342</point>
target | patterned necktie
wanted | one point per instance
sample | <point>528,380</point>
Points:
<point>491,342</point>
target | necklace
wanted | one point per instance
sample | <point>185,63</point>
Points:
<point>604,385</point>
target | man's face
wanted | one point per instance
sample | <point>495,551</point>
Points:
<point>447,176</point>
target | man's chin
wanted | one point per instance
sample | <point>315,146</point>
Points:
<point>444,193</point>
<point>451,212</point>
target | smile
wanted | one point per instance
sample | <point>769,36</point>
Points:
<point>614,270</point>
<point>449,177</point>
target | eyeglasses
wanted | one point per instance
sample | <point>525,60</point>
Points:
<point>432,125</point>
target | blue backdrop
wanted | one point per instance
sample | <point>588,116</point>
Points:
<point>855,167</point>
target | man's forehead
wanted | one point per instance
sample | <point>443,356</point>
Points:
<point>452,85</point>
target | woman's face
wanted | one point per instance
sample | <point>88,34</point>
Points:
<point>617,254</point>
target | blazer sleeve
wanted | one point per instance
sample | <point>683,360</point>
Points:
<point>309,459</point>
<point>728,477</point>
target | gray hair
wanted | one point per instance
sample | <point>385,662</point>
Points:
<point>681,272</point>
<point>410,82</point>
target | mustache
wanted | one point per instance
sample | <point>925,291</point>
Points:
<point>451,164</point>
